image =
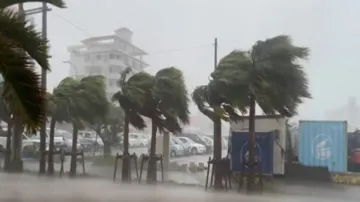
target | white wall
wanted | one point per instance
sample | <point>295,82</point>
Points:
<point>267,124</point>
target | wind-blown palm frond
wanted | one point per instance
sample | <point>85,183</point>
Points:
<point>22,85</point>
<point>282,82</point>
<point>212,104</point>
<point>123,77</point>
<point>7,3</point>
<point>170,92</point>
<point>270,72</point>
<point>201,98</point>
<point>23,35</point>
<point>131,109</point>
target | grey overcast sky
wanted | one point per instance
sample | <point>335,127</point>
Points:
<point>328,27</point>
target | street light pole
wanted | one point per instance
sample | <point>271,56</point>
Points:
<point>72,66</point>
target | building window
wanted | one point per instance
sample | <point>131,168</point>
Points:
<point>118,57</point>
<point>94,70</point>
<point>98,57</point>
<point>112,82</point>
<point>115,69</point>
<point>112,56</point>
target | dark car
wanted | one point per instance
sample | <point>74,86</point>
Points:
<point>200,140</point>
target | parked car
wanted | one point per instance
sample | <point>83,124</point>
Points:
<point>196,148</point>
<point>93,138</point>
<point>198,139</point>
<point>176,150</point>
<point>138,140</point>
<point>209,141</point>
<point>186,147</point>
<point>67,138</point>
<point>35,139</point>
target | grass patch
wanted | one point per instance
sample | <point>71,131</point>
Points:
<point>347,178</point>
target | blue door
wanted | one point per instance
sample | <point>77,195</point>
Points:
<point>263,150</point>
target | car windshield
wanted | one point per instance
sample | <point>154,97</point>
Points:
<point>177,140</point>
<point>187,140</point>
<point>208,140</point>
<point>172,141</point>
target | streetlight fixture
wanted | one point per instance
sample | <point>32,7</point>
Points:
<point>72,66</point>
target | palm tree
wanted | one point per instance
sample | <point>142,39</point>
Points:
<point>167,105</point>
<point>216,107</point>
<point>86,104</point>
<point>131,97</point>
<point>270,75</point>
<point>21,82</point>
<point>107,129</point>
<point>57,105</point>
<point>20,43</point>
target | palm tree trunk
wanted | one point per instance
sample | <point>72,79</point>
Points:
<point>152,170</point>
<point>51,147</point>
<point>95,143</point>
<point>8,145</point>
<point>16,163</point>
<point>126,161</point>
<point>42,161</point>
<point>251,175</point>
<point>74,151</point>
<point>107,142</point>
<point>217,151</point>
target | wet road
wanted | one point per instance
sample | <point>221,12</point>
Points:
<point>21,188</point>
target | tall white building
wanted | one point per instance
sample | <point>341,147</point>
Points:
<point>108,56</point>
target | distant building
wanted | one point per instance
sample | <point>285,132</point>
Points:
<point>108,56</point>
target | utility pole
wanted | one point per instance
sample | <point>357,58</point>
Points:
<point>215,53</point>
<point>42,162</point>
<point>217,135</point>
<point>216,144</point>
<point>44,9</point>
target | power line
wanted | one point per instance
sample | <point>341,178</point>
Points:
<point>151,53</point>
<point>72,24</point>
<point>179,49</point>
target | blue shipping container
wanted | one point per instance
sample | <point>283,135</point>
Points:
<point>263,148</point>
<point>323,144</point>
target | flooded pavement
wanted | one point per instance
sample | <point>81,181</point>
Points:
<point>21,188</point>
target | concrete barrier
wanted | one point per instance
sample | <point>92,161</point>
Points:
<point>193,167</point>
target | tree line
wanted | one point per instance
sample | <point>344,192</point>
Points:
<point>269,75</point>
